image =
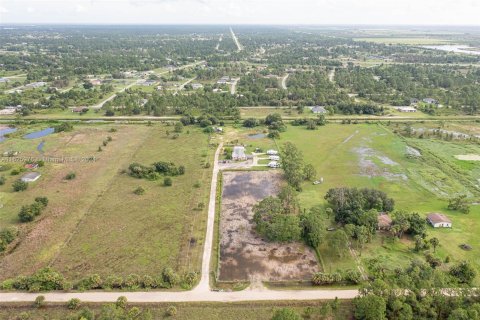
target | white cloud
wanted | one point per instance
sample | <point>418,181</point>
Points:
<point>3,10</point>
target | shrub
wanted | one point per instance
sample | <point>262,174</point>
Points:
<point>171,311</point>
<point>39,301</point>
<point>7,235</point>
<point>2,180</point>
<point>169,277</point>
<point>19,185</point>
<point>113,282</point>
<point>121,302</point>
<point>148,282</point>
<point>320,278</point>
<point>132,281</point>
<point>93,281</point>
<point>167,182</point>
<point>64,126</point>
<point>45,279</point>
<point>189,280</point>
<point>286,314</point>
<point>139,191</point>
<point>73,304</point>
<point>42,200</point>
<point>70,176</point>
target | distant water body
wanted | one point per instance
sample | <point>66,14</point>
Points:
<point>455,48</point>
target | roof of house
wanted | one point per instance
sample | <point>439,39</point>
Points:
<point>384,220</point>
<point>438,218</point>
<point>238,152</point>
<point>319,109</point>
<point>30,176</point>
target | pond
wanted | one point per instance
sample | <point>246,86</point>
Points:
<point>39,134</point>
<point>455,48</point>
<point>257,135</point>
<point>5,131</point>
<point>40,146</point>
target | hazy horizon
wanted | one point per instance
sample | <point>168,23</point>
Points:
<point>241,12</point>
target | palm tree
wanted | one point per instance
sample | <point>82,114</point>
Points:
<point>434,242</point>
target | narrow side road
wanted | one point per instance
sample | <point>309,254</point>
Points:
<point>284,82</point>
<point>204,284</point>
<point>239,46</point>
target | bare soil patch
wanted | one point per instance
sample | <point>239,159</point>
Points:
<point>245,255</point>
<point>468,157</point>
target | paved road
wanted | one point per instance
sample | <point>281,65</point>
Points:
<point>183,86</point>
<point>239,46</point>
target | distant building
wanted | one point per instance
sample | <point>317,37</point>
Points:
<point>3,80</point>
<point>80,109</point>
<point>36,84</point>
<point>438,220</point>
<point>6,112</point>
<point>30,177</point>
<point>96,82</point>
<point>196,86</point>
<point>430,101</point>
<point>148,83</point>
<point>274,158</point>
<point>406,109</point>
<point>319,110</point>
<point>239,153</point>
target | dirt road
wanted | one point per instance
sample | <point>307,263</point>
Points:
<point>284,82</point>
<point>204,284</point>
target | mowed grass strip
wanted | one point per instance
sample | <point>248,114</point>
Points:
<point>124,233</point>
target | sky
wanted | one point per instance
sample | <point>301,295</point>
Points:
<point>318,12</point>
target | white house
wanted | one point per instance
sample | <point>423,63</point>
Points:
<point>406,109</point>
<point>273,164</point>
<point>239,153</point>
<point>319,110</point>
<point>5,112</point>
<point>438,220</point>
<point>30,177</point>
<point>272,152</point>
<point>274,158</point>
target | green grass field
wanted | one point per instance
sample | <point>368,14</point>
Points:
<point>421,185</point>
<point>198,311</point>
<point>94,223</point>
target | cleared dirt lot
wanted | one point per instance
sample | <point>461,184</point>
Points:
<point>244,255</point>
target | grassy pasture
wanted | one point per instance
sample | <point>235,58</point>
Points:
<point>336,151</point>
<point>94,223</point>
<point>199,311</point>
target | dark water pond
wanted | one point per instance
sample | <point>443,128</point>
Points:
<point>257,135</point>
<point>39,134</point>
<point>5,131</point>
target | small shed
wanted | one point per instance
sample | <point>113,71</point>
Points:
<point>384,221</point>
<point>438,220</point>
<point>30,177</point>
<point>319,110</point>
<point>239,153</point>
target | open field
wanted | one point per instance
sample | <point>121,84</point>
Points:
<point>404,40</point>
<point>95,223</point>
<point>372,156</point>
<point>244,255</point>
<point>197,311</point>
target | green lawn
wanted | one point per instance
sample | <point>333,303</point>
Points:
<point>335,150</point>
